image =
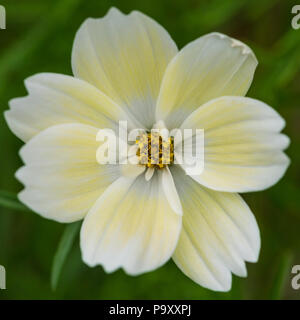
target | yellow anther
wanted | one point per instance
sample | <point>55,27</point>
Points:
<point>153,151</point>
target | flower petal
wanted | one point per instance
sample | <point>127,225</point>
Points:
<point>131,226</point>
<point>55,99</point>
<point>219,233</point>
<point>170,191</point>
<point>61,175</point>
<point>243,146</point>
<point>125,56</point>
<point>209,67</point>
<point>149,173</point>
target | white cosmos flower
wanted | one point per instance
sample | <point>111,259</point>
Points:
<point>127,67</point>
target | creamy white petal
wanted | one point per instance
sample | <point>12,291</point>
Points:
<point>125,56</point>
<point>243,146</point>
<point>61,175</point>
<point>131,226</point>
<point>212,66</point>
<point>170,191</point>
<point>131,170</point>
<point>55,99</point>
<point>149,173</point>
<point>219,233</point>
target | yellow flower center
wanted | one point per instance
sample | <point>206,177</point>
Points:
<point>154,151</point>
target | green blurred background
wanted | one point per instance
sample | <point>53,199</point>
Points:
<point>39,38</point>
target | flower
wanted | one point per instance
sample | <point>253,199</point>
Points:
<point>136,217</point>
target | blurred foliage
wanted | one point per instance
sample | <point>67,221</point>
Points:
<point>39,38</point>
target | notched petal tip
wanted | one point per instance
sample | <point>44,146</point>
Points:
<point>114,10</point>
<point>224,287</point>
<point>234,43</point>
<point>7,117</point>
<point>41,77</point>
<point>19,174</point>
<point>22,154</point>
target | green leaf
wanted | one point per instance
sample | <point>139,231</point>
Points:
<point>63,249</point>
<point>9,200</point>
